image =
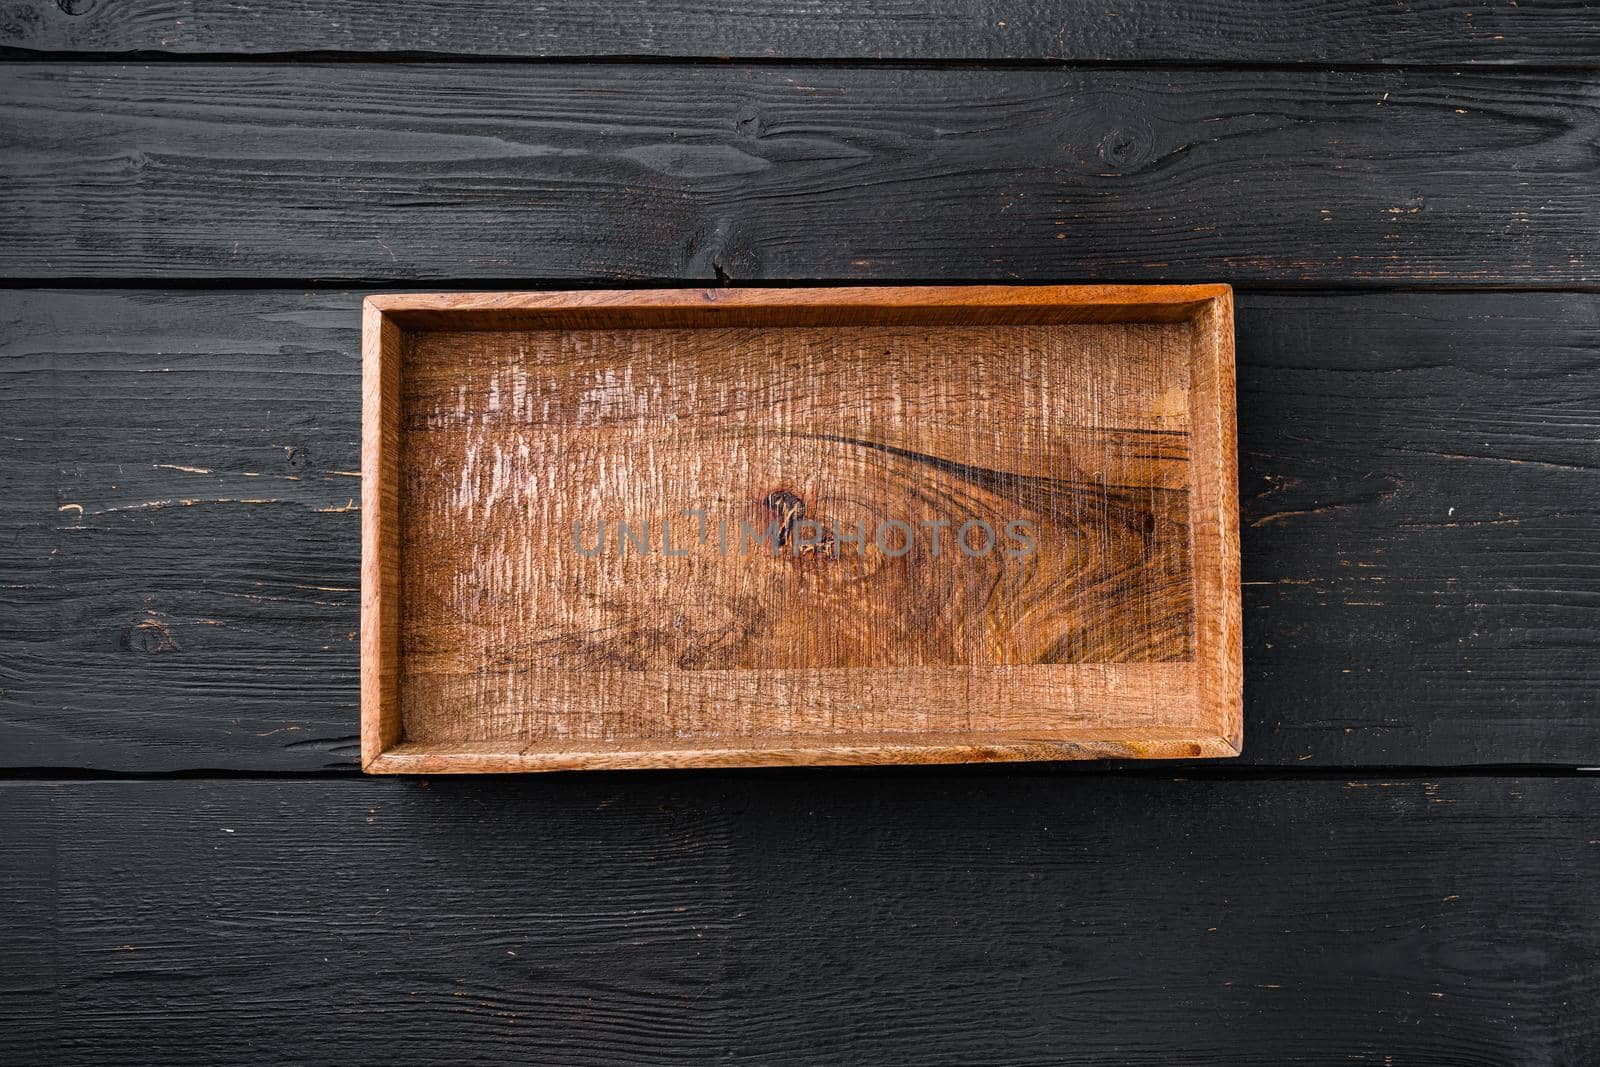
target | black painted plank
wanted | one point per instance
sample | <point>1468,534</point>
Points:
<point>181,531</point>
<point>1223,31</point>
<point>880,917</point>
<point>494,172</point>
<point>1421,512</point>
<point>1421,480</point>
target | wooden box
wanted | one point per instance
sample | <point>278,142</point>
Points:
<point>731,527</point>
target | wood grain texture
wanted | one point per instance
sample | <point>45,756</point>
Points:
<point>556,485</point>
<point>888,917</point>
<point>1420,522</point>
<point>512,173</point>
<point>969,519</point>
<point>179,534</point>
<point>1556,32</point>
<point>382,346</point>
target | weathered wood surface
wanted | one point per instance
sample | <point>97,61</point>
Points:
<point>517,173</point>
<point>1041,584</point>
<point>178,541</point>
<point>802,917</point>
<point>1421,521</point>
<point>1241,31</point>
<point>520,447</point>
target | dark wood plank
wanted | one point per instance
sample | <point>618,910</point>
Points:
<point>201,609</point>
<point>1305,31</point>
<point>1421,513</point>
<point>496,172</point>
<point>881,917</point>
<point>1421,529</point>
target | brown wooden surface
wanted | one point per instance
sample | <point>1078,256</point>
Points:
<point>533,631</point>
<point>380,501</point>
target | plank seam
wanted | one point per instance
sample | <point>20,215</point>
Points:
<point>1173,770</point>
<point>435,285</point>
<point>15,54</point>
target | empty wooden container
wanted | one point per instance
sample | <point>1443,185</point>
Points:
<point>728,527</point>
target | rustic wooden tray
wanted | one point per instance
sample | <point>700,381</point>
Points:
<point>676,528</point>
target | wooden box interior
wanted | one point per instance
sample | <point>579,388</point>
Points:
<point>506,434</point>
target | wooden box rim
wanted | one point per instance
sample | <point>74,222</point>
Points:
<point>1216,729</point>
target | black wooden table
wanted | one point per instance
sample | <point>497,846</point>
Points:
<point>1404,866</point>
